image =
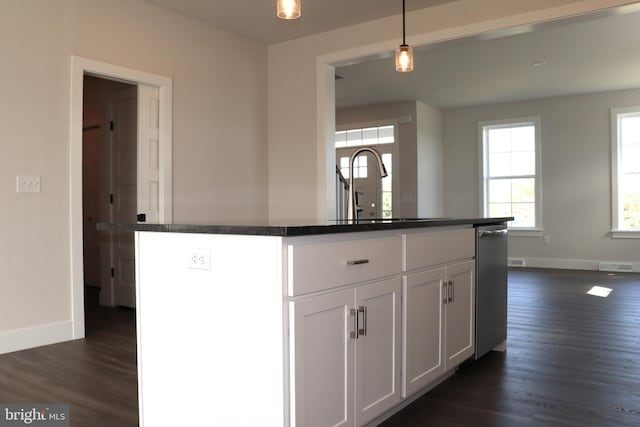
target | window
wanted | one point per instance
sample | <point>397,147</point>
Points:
<point>365,136</point>
<point>374,192</point>
<point>510,171</point>
<point>625,144</point>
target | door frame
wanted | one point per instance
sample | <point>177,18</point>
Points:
<point>79,67</point>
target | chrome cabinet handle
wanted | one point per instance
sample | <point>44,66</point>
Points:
<point>445,291</point>
<point>363,331</point>
<point>358,261</point>
<point>354,333</point>
<point>450,292</point>
<point>453,291</point>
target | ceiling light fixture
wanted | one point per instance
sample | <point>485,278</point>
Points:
<point>404,53</point>
<point>288,9</point>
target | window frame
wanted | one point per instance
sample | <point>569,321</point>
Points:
<point>616,231</point>
<point>483,126</point>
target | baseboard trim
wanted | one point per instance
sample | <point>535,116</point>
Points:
<point>570,264</point>
<point>36,336</point>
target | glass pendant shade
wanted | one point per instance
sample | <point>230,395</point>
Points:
<point>288,9</point>
<point>404,58</point>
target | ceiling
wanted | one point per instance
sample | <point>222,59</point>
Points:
<point>592,54</point>
<point>256,19</point>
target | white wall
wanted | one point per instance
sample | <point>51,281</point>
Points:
<point>576,175</point>
<point>298,95</point>
<point>429,158</point>
<point>219,143</point>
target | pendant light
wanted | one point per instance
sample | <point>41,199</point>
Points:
<point>288,9</point>
<point>404,53</point>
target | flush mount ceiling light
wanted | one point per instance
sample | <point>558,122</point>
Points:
<point>288,9</point>
<point>404,53</point>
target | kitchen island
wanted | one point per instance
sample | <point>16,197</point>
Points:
<point>334,324</point>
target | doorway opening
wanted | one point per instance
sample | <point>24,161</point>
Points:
<point>109,189</point>
<point>136,185</point>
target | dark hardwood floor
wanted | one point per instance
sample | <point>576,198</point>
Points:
<point>96,376</point>
<point>572,360</point>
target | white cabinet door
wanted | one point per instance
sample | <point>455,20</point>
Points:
<point>378,348</point>
<point>422,329</point>
<point>322,383</point>
<point>460,314</point>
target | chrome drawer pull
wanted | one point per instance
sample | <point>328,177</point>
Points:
<point>363,331</point>
<point>357,261</point>
<point>354,312</point>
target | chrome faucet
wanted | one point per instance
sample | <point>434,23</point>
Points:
<point>351,211</point>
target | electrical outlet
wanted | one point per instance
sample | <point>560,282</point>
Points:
<point>546,240</point>
<point>27,184</point>
<point>199,259</point>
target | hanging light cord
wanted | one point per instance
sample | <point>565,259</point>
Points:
<point>403,25</point>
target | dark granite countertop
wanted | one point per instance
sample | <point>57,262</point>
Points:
<point>298,228</point>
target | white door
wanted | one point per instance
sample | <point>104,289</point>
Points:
<point>378,349</point>
<point>460,314</point>
<point>422,329</point>
<point>148,154</point>
<point>123,109</point>
<point>322,377</point>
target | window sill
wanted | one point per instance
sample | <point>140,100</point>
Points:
<point>525,232</point>
<point>625,234</point>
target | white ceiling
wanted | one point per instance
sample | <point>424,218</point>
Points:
<point>256,19</point>
<point>589,55</point>
<point>584,55</point>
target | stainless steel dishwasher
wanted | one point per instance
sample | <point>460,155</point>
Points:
<point>491,288</point>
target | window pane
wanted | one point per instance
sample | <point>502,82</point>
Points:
<point>344,167</point>
<point>630,130</point>
<point>341,138</point>
<point>370,136</point>
<point>354,137</point>
<point>630,197</point>
<point>523,138</point>
<point>630,158</point>
<point>524,214</point>
<point>499,140</point>
<point>499,164</point>
<point>499,209</point>
<point>523,190</point>
<point>500,191</point>
<point>523,163</point>
<point>385,135</point>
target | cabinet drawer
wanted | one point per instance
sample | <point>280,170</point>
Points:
<point>319,266</point>
<point>422,250</point>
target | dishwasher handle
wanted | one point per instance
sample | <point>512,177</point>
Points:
<point>492,233</point>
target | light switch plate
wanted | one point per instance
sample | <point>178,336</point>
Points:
<point>27,184</point>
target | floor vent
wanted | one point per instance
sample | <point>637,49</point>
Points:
<point>515,262</point>
<point>619,267</point>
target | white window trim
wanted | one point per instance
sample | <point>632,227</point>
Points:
<point>616,231</point>
<point>537,230</point>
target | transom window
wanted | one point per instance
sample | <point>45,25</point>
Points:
<point>375,135</point>
<point>510,171</point>
<point>626,171</point>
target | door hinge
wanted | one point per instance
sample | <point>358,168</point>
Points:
<point>111,125</point>
<point>113,272</point>
<point>111,198</point>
